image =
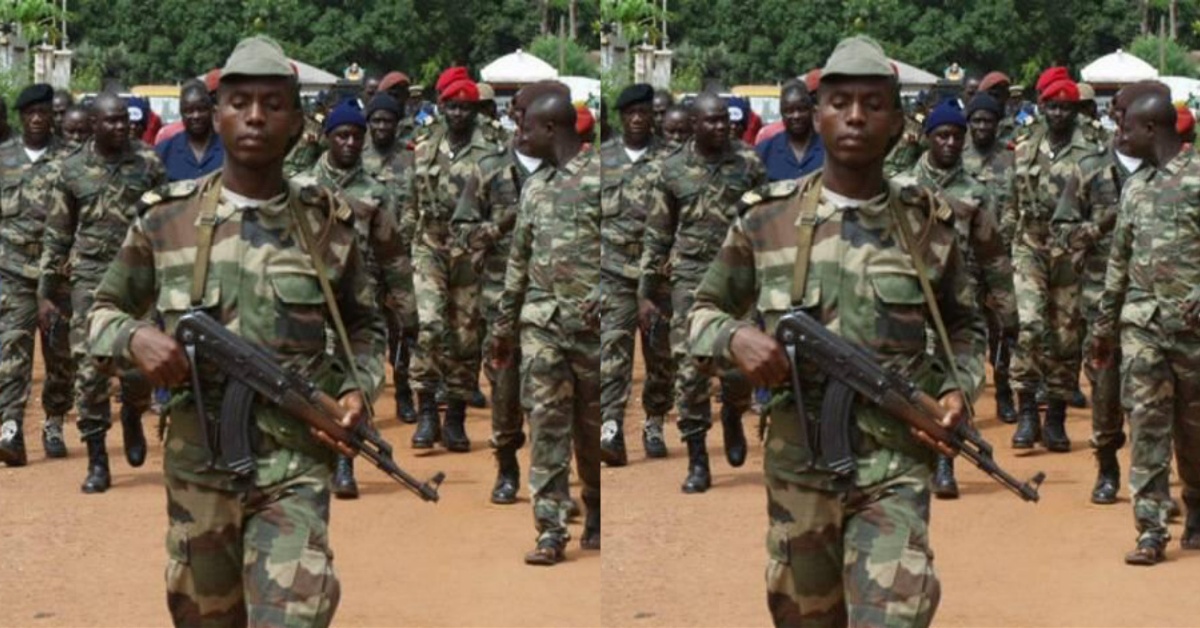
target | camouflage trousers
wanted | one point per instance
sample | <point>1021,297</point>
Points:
<point>91,384</point>
<point>1108,418</point>
<point>1049,339</point>
<point>508,419</point>
<point>18,324</point>
<point>447,291</point>
<point>402,335</point>
<point>258,558</point>
<point>560,385</point>
<point>619,326</point>
<point>1160,374</point>
<point>692,392</point>
<point>861,558</point>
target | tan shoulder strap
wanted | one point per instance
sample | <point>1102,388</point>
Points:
<point>314,254</point>
<point>809,198</point>
<point>208,197</point>
<point>917,256</point>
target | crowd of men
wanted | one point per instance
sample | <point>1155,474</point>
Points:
<point>340,240</point>
<point>1046,240</point>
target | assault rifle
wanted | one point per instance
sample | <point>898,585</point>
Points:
<point>853,370</point>
<point>252,371</point>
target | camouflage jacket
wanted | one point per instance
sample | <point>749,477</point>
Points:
<point>908,148</point>
<point>554,266</point>
<point>487,210</point>
<point>988,260</point>
<point>308,147</point>
<point>387,165</point>
<point>993,168</point>
<point>692,203</point>
<point>862,284</point>
<point>90,204</point>
<point>1154,261</point>
<point>262,285</point>
<point>384,250</point>
<point>1084,221</point>
<point>23,205</point>
<point>436,182</point>
<point>625,205</point>
<point>1042,178</point>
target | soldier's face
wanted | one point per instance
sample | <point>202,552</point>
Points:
<point>537,135</point>
<point>983,127</point>
<point>346,145</point>
<point>1137,136</point>
<point>946,146</point>
<point>110,125</point>
<point>710,125</point>
<point>460,115</point>
<point>60,105</point>
<point>383,127</point>
<point>677,127</point>
<point>256,119</point>
<point>37,122</point>
<point>637,122</point>
<point>857,119</point>
<point>1060,115</point>
<point>77,128</point>
<point>661,104</point>
<point>370,86</point>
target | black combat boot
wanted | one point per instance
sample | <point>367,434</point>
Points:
<point>344,486</point>
<point>549,552</point>
<point>735,436</point>
<point>1054,437</point>
<point>612,445</point>
<point>1108,480</point>
<point>98,478</point>
<point>944,484</point>
<point>652,437</point>
<point>1029,423</point>
<point>133,435</point>
<point>52,437</point>
<point>508,477</point>
<point>590,540</point>
<point>454,433</point>
<point>12,445</point>
<point>429,422</point>
<point>698,478</point>
<point>1004,402</point>
<point>1191,526</point>
<point>1149,552</point>
<point>404,404</point>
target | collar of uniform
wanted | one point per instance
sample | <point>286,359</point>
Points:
<point>578,162</point>
<point>94,158</point>
<point>937,176</point>
<point>826,208</point>
<point>341,178</point>
<point>1178,162</point>
<point>694,158</point>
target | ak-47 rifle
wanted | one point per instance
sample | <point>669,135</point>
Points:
<point>252,371</point>
<point>852,370</point>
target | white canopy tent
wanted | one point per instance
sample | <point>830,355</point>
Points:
<point>1119,67</point>
<point>1182,88</point>
<point>517,68</point>
<point>912,76</point>
<point>583,89</point>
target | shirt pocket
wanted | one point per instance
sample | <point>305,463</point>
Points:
<point>299,311</point>
<point>899,312</point>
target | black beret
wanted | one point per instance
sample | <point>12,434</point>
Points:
<point>635,94</point>
<point>383,101</point>
<point>983,101</point>
<point>34,94</point>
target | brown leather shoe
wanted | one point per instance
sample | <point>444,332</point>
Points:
<point>1148,553</point>
<point>547,553</point>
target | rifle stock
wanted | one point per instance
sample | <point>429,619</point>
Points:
<point>804,337</point>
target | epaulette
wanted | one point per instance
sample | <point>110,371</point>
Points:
<point>773,190</point>
<point>923,198</point>
<point>318,196</point>
<point>166,192</point>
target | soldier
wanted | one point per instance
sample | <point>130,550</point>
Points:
<point>855,552</point>
<point>396,85</point>
<point>663,100</point>
<point>446,286</point>
<point>676,126</point>
<point>996,85</point>
<point>624,160</point>
<point>63,100</point>
<point>551,298</point>
<point>1090,116</point>
<point>385,156</point>
<point>1047,168</point>
<point>990,162</point>
<point>484,220</point>
<point>77,126</point>
<point>90,196</point>
<point>376,220</point>
<point>24,161</point>
<point>691,197</point>
<point>370,87</point>
<point>246,551</point>
<point>1152,305</point>
<point>983,247</point>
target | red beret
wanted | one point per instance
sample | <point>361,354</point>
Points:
<point>1185,122</point>
<point>812,80</point>
<point>212,80</point>
<point>992,79</point>
<point>1061,89</point>
<point>450,75</point>
<point>1050,75</point>
<point>391,79</point>
<point>585,122</point>
<point>459,89</point>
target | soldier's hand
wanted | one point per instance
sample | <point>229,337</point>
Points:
<point>956,409</point>
<point>355,407</point>
<point>1191,312</point>
<point>47,312</point>
<point>759,357</point>
<point>648,313</point>
<point>501,353</point>
<point>1101,353</point>
<point>159,357</point>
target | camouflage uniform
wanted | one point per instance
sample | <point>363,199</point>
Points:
<point>255,549</point>
<point>308,148</point>
<point>1151,277</point>
<point>553,274</point>
<point>90,206</point>
<point>625,207</point>
<point>484,220</point>
<point>857,550</point>
<point>908,148</point>
<point>23,206</point>
<point>691,204</point>
<point>1046,280</point>
<point>446,285</point>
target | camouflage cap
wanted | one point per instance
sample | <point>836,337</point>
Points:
<point>257,56</point>
<point>857,56</point>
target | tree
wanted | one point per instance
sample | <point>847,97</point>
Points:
<point>1150,48</point>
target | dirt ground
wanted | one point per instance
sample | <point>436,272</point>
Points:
<point>69,559</point>
<point>698,560</point>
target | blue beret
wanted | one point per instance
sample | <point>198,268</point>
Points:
<point>346,112</point>
<point>948,112</point>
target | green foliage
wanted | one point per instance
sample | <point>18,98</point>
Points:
<point>1176,58</point>
<point>575,57</point>
<point>39,20</point>
<point>640,20</point>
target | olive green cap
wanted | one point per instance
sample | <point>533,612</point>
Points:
<point>1086,92</point>
<point>257,56</point>
<point>857,56</point>
<point>486,92</point>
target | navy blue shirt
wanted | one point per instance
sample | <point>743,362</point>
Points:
<point>179,160</point>
<point>780,160</point>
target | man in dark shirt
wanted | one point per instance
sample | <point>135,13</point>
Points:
<point>197,151</point>
<point>799,151</point>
